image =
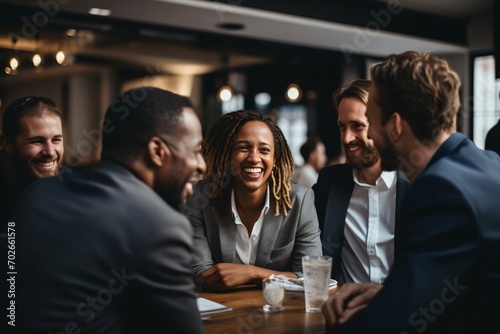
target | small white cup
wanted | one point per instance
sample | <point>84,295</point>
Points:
<point>316,271</point>
<point>273,295</point>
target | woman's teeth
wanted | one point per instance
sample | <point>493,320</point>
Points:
<point>252,170</point>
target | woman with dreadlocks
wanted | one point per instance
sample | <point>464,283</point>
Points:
<point>249,220</point>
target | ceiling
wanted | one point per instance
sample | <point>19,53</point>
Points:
<point>459,9</point>
<point>185,36</point>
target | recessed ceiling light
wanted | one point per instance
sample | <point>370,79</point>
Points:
<point>100,11</point>
<point>231,26</point>
<point>71,32</point>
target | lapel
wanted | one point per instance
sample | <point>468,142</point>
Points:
<point>227,233</point>
<point>336,209</point>
<point>402,185</point>
<point>270,229</point>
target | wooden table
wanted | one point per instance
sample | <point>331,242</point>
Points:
<point>247,315</point>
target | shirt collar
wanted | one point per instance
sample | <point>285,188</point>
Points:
<point>264,211</point>
<point>387,178</point>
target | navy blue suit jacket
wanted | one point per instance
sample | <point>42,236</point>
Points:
<point>446,272</point>
<point>332,195</point>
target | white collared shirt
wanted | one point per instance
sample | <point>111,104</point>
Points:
<point>368,247</point>
<point>247,245</point>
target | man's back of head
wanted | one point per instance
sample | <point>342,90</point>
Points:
<point>138,114</point>
<point>144,122</point>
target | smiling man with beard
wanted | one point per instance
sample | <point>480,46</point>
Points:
<point>31,147</point>
<point>357,202</point>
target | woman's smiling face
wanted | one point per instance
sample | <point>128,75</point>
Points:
<point>252,157</point>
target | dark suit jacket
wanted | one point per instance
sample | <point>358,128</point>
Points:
<point>100,251</point>
<point>283,240</point>
<point>332,194</point>
<point>446,272</point>
<point>7,203</point>
<point>492,141</point>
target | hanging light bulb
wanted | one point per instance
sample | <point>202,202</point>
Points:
<point>225,93</point>
<point>14,63</point>
<point>37,60</point>
<point>60,57</point>
<point>293,93</point>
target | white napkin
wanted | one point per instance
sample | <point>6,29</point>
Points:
<point>296,284</point>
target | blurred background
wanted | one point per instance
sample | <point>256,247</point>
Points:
<point>283,58</point>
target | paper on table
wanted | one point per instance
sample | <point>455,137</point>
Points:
<point>206,306</point>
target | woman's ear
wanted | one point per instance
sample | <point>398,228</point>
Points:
<point>157,151</point>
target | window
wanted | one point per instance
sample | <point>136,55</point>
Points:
<point>486,99</point>
<point>292,120</point>
<point>237,102</point>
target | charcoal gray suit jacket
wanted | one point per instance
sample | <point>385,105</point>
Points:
<point>99,251</point>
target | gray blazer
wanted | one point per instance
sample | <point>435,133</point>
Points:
<point>284,239</point>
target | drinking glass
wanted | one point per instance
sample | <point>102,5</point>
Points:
<point>317,271</point>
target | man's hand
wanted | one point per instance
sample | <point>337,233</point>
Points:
<point>349,298</point>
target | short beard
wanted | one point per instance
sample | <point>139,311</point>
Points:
<point>388,157</point>
<point>389,161</point>
<point>368,158</point>
<point>29,174</point>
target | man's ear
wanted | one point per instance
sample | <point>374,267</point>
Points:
<point>157,151</point>
<point>6,145</point>
<point>396,126</point>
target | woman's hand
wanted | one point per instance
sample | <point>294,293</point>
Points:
<point>224,276</point>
